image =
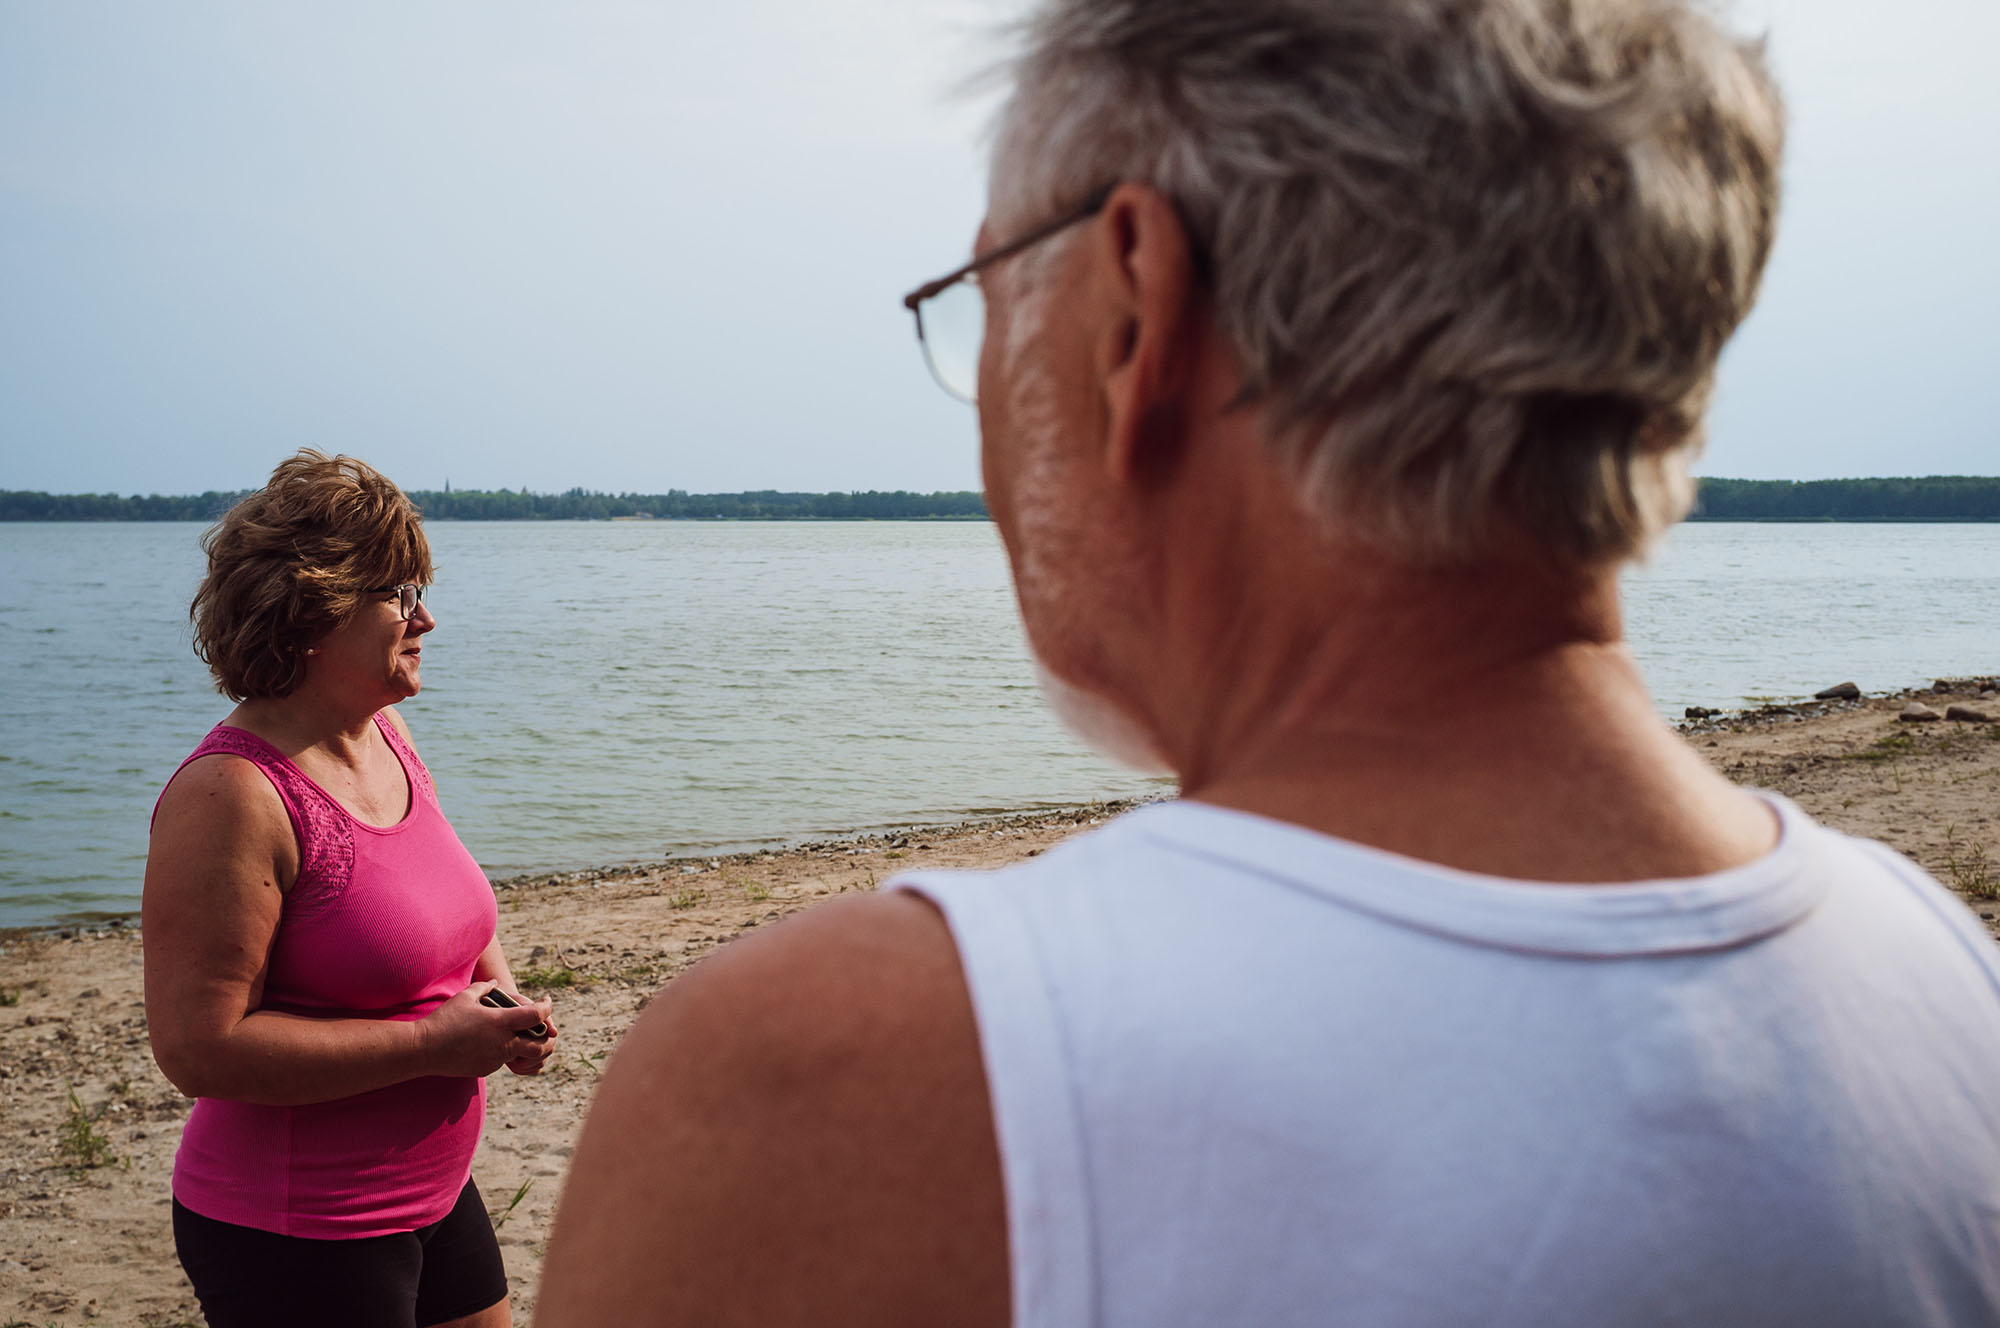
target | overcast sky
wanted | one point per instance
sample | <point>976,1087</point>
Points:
<point>641,246</point>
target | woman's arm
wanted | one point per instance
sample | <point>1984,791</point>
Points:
<point>492,967</point>
<point>221,847</point>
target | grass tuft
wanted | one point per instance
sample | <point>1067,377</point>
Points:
<point>1971,869</point>
<point>80,1145</point>
<point>546,978</point>
<point>685,899</point>
<point>1886,749</point>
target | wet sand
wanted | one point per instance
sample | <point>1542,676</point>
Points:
<point>83,1243</point>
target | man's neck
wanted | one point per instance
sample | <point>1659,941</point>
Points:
<point>1488,719</point>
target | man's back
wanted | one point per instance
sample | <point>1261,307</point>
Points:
<point>1241,1072</point>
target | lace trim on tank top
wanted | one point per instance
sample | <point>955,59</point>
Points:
<point>326,836</point>
<point>413,765</point>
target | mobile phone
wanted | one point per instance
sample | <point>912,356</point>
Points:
<point>500,1000</point>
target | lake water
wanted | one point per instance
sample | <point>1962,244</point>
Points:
<point>612,692</point>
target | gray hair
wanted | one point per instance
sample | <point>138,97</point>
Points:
<point>1477,257</point>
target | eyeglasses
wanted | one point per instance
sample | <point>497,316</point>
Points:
<point>951,312</point>
<point>408,596</point>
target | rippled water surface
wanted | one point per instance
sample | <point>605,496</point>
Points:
<point>609,692</point>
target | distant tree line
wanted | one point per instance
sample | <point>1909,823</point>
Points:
<point>1932,498</point>
<point>513,505</point>
<point>21,505</point>
<point>680,505</point>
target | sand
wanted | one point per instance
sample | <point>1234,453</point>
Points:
<point>83,1243</point>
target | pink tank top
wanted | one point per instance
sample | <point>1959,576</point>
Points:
<point>381,924</point>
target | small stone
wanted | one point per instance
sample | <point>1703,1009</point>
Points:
<point>1916,712</point>
<point>1841,691</point>
<point>1700,712</point>
<point>1966,714</point>
<point>1941,687</point>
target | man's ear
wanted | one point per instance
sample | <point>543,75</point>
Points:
<point>1144,282</point>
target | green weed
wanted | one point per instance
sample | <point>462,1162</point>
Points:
<point>9,997</point>
<point>756,893</point>
<point>80,1145</point>
<point>500,1218</point>
<point>685,899</point>
<point>546,977</point>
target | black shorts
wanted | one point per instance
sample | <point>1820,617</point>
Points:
<point>246,1278</point>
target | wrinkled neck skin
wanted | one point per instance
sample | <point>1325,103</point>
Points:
<point>1453,716</point>
<point>1251,638</point>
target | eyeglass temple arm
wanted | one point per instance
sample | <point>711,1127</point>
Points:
<point>1087,208</point>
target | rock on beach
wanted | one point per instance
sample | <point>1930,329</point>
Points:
<point>1840,691</point>
<point>1916,712</point>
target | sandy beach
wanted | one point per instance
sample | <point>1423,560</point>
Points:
<point>89,1127</point>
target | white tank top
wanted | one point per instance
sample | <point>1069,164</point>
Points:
<point>1243,1073</point>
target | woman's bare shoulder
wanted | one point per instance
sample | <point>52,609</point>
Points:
<point>221,804</point>
<point>217,783</point>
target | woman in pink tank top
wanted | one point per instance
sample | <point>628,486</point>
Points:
<point>318,942</point>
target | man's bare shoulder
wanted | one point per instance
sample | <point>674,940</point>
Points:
<point>795,1131</point>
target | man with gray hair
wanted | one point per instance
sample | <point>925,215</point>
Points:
<point>1331,357</point>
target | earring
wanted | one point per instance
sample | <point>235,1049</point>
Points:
<point>312,650</point>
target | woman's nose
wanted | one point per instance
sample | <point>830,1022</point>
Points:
<point>421,621</point>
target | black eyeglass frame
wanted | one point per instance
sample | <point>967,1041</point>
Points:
<point>1085,210</point>
<point>407,612</point>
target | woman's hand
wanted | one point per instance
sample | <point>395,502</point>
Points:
<point>535,1051</point>
<point>471,1040</point>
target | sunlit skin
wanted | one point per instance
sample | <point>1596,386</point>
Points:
<point>797,1131</point>
<point>223,855</point>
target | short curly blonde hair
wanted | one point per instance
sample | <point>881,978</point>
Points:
<point>293,561</point>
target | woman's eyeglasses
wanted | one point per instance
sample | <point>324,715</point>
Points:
<point>408,596</point>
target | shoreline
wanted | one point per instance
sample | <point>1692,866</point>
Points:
<point>105,922</point>
<point>1697,721</point>
<point>90,1126</point>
